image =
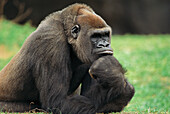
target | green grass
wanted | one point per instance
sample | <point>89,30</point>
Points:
<point>146,57</point>
<point>12,34</point>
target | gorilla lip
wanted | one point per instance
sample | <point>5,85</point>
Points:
<point>109,52</point>
<point>104,51</point>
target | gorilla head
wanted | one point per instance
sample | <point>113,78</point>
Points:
<point>87,32</point>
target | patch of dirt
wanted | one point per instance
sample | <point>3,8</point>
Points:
<point>5,53</point>
<point>166,80</point>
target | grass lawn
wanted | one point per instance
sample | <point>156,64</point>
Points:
<point>146,57</point>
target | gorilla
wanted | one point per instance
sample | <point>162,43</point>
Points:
<point>69,48</point>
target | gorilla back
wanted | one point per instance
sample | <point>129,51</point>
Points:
<point>54,60</point>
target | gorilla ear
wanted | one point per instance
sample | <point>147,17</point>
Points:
<point>75,30</point>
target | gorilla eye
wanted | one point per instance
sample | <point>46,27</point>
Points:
<point>75,30</point>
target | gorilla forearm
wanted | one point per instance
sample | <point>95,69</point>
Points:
<point>57,101</point>
<point>105,99</point>
<point>112,91</point>
<point>79,75</point>
<point>78,105</point>
<point>96,98</point>
<point>117,104</point>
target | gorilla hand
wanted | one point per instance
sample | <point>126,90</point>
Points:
<point>109,74</point>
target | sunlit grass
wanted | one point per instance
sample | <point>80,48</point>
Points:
<point>146,57</point>
<point>13,35</point>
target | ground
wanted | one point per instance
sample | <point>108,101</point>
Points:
<point>146,58</point>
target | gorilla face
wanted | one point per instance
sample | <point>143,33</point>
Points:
<point>91,36</point>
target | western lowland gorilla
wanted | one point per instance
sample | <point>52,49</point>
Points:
<point>70,47</point>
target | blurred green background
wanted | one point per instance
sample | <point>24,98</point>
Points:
<point>146,57</point>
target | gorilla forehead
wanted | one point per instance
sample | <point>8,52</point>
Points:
<point>86,17</point>
<point>83,15</point>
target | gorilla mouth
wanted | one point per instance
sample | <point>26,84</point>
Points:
<point>107,51</point>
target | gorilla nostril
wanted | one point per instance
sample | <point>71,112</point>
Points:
<point>107,45</point>
<point>100,45</point>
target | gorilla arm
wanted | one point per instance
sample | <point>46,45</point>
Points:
<point>79,75</point>
<point>112,91</point>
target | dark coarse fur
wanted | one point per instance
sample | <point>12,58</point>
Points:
<point>115,90</point>
<point>51,65</point>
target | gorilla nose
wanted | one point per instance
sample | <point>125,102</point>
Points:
<point>102,44</point>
